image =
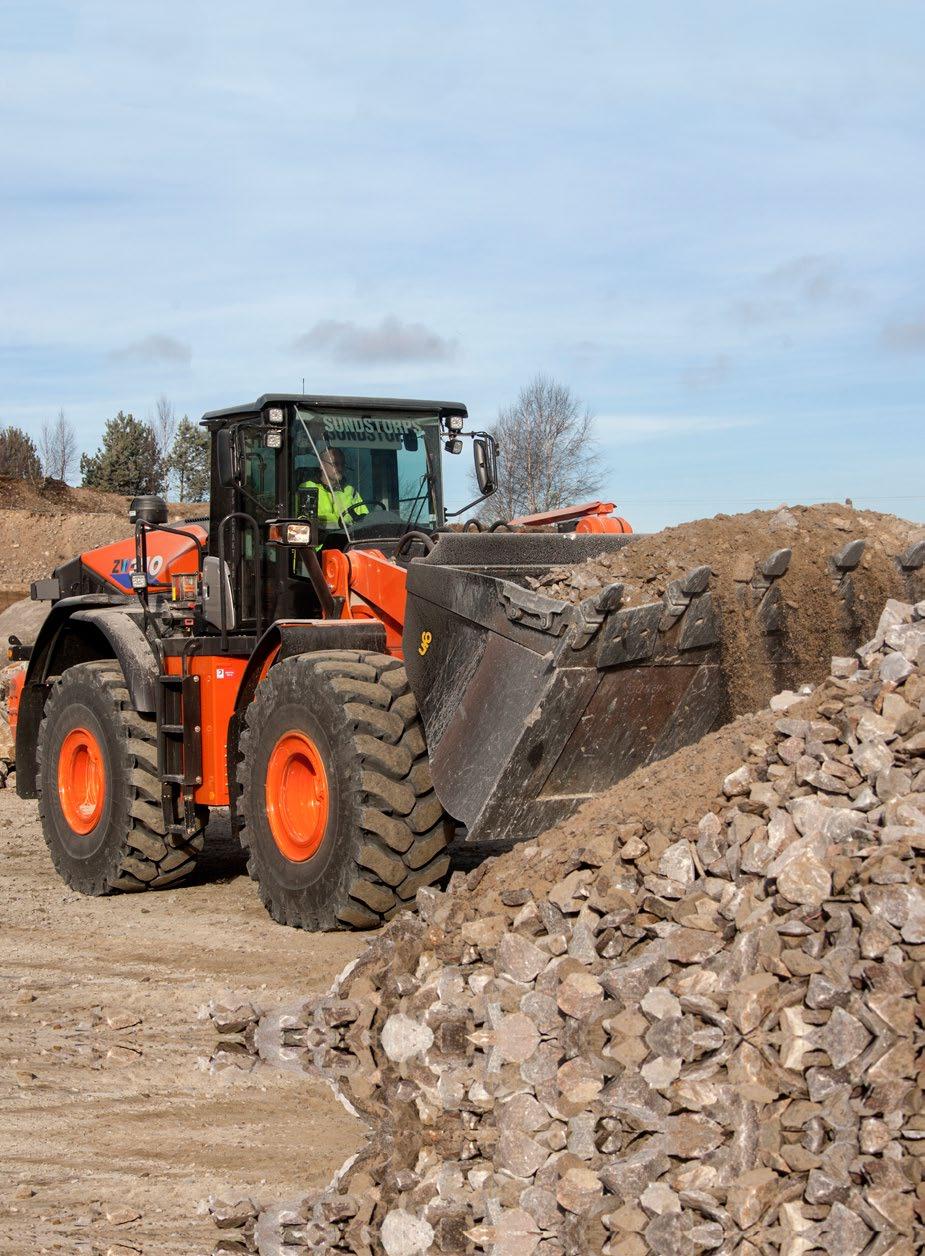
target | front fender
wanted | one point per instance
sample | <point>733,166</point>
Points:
<point>80,630</point>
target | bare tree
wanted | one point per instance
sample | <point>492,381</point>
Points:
<point>164,427</point>
<point>549,456</point>
<point>58,448</point>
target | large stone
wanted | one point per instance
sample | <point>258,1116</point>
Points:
<point>843,1038</point>
<point>403,1037</point>
<point>404,1234</point>
<point>737,783</point>
<point>520,1154</point>
<point>516,1037</point>
<point>519,958</point>
<point>872,757</point>
<point>579,994</point>
<point>677,863</point>
<point>750,1195</point>
<point>578,1189</point>
<point>895,668</point>
<point>801,872</point>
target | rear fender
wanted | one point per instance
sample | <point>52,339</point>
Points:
<point>79,630</point>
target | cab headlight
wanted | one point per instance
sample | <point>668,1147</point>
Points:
<point>290,533</point>
<point>298,533</point>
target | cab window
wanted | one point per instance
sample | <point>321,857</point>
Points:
<point>259,470</point>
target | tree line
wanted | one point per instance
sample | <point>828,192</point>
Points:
<point>549,453</point>
<point>162,454</point>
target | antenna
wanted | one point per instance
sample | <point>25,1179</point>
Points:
<point>303,385</point>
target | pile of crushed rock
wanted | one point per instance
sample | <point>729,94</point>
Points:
<point>673,1026</point>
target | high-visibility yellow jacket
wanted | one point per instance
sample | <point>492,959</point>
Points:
<point>344,501</point>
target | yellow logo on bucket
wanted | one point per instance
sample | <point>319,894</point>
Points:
<point>426,639</point>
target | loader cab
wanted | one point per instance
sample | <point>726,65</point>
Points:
<point>268,463</point>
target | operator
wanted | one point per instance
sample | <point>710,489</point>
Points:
<point>344,501</point>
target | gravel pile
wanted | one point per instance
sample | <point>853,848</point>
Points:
<point>698,1037</point>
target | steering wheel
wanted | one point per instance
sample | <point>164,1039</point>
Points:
<point>405,541</point>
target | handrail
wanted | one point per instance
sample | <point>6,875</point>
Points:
<point>142,528</point>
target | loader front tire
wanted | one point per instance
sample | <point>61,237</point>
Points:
<point>98,788</point>
<point>339,817</point>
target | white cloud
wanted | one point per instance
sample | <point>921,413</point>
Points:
<point>802,283</point>
<point>154,349</point>
<point>389,341</point>
<point>905,337</point>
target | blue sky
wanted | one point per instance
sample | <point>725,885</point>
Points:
<point>706,218</point>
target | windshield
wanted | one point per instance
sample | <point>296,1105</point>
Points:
<point>373,474</point>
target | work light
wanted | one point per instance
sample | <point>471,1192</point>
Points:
<point>291,533</point>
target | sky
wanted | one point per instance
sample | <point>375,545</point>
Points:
<point>708,220</point>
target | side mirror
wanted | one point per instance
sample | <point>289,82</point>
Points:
<point>224,458</point>
<point>485,456</point>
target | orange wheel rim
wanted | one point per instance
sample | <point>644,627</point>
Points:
<point>81,780</point>
<point>297,796</point>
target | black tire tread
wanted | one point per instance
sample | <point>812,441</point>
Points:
<point>147,857</point>
<point>396,852</point>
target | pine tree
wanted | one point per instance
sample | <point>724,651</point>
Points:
<point>189,461</point>
<point>127,461</point>
<point>19,459</point>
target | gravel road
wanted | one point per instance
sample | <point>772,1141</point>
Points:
<point>112,1129</point>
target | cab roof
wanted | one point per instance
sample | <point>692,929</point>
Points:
<point>215,418</point>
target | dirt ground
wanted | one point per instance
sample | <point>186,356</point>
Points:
<point>105,1107</point>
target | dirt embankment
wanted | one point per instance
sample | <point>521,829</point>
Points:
<point>824,611</point>
<point>44,524</point>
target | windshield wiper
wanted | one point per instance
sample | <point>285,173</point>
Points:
<point>427,489</point>
<point>419,501</point>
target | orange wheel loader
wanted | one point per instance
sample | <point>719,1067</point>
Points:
<point>352,679</point>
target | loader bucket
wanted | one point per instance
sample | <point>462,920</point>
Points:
<point>531,705</point>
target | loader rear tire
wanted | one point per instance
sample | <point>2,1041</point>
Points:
<point>340,820</point>
<point>98,788</point>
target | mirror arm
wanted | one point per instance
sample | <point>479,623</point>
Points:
<point>451,514</point>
